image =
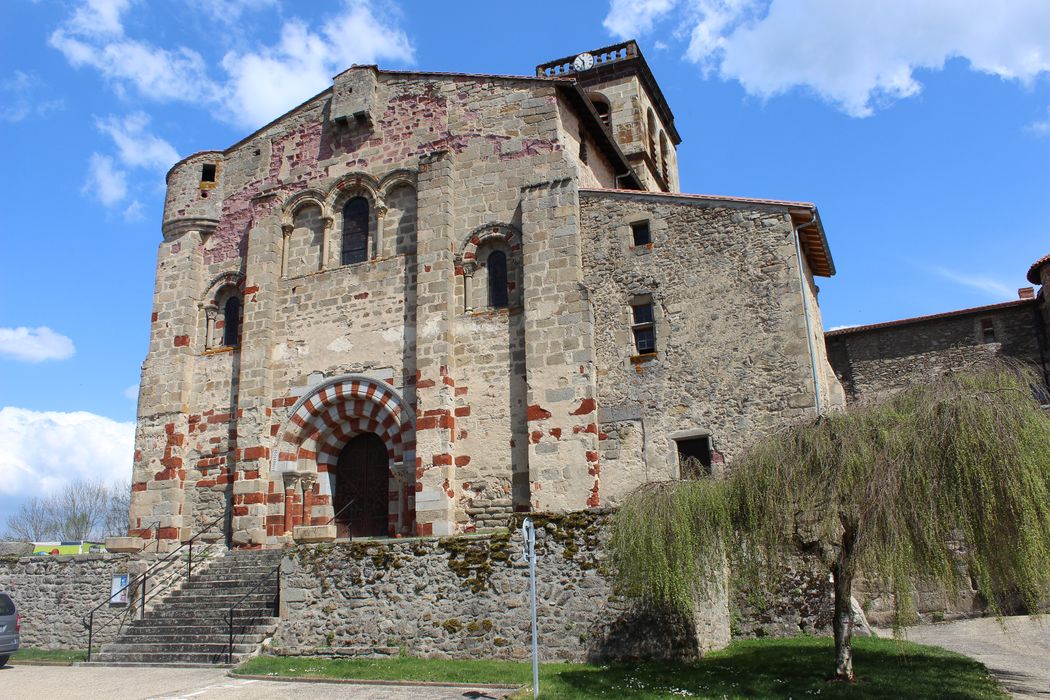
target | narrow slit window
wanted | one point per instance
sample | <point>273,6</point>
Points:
<point>640,233</point>
<point>643,327</point>
<point>987,330</point>
<point>231,322</point>
<point>208,172</point>
<point>355,231</point>
<point>496,266</point>
<point>694,457</point>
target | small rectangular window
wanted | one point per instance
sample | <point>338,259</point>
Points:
<point>987,330</point>
<point>640,233</point>
<point>694,457</point>
<point>208,172</point>
<point>643,327</point>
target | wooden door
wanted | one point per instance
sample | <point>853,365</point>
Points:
<point>362,481</point>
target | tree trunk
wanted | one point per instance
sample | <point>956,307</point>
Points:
<point>842,571</point>
<point>843,623</point>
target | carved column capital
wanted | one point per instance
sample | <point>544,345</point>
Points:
<point>380,211</point>
<point>286,229</point>
<point>328,222</point>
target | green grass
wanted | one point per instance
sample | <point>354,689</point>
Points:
<point>772,668</point>
<point>31,654</point>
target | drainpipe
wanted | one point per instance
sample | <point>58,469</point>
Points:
<point>805,308</point>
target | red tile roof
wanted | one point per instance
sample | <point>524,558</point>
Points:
<point>931,317</point>
<point>1033,271</point>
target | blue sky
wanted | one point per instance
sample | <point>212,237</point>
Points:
<point>921,131</point>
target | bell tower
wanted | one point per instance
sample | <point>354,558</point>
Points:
<point>624,93</point>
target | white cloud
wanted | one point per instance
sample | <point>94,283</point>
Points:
<point>265,83</point>
<point>628,18</point>
<point>1041,126</point>
<point>42,451</point>
<point>839,328</point>
<point>137,147</point>
<point>259,84</point>
<point>229,11</point>
<point>18,101</point>
<point>134,212</point>
<point>105,181</point>
<point>155,73</point>
<point>99,17</point>
<point>35,344</point>
<point>855,54</point>
<point>132,392</point>
<point>993,288</point>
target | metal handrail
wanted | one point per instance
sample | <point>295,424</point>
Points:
<point>89,617</point>
<point>340,512</point>
<point>229,619</point>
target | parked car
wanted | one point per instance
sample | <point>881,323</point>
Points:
<point>10,628</point>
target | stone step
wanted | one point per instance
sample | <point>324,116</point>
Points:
<point>146,664</point>
<point>207,617</point>
<point>168,659</point>
<point>160,625</point>
<point>176,648</point>
<point>223,594</point>
<point>211,637</point>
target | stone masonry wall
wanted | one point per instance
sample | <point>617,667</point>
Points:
<point>871,362</point>
<point>467,597</point>
<point>54,594</point>
<point>731,360</point>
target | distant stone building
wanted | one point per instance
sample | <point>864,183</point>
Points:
<point>877,359</point>
<point>420,302</point>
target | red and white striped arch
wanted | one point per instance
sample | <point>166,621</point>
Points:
<point>322,422</point>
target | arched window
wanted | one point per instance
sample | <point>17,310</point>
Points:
<point>601,106</point>
<point>355,231</point>
<point>663,159</point>
<point>496,266</point>
<point>231,322</point>
<point>651,134</point>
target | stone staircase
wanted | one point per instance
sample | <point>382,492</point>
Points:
<point>189,626</point>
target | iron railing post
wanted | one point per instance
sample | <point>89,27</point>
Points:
<point>189,562</point>
<point>142,602</point>
<point>91,628</point>
<point>229,644</point>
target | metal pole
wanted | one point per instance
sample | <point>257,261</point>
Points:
<point>142,604</point>
<point>530,542</point>
<point>229,646</point>
<point>91,628</point>
<point>189,562</point>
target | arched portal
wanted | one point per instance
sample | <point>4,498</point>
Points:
<point>344,422</point>
<point>362,487</point>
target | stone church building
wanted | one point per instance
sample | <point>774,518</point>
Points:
<point>420,302</point>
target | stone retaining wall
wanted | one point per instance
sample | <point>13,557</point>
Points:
<point>467,597</point>
<point>53,594</point>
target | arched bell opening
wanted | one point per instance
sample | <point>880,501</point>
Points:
<point>361,488</point>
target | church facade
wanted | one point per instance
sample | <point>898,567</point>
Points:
<point>420,302</point>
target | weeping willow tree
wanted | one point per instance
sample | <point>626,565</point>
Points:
<point>884,490</point>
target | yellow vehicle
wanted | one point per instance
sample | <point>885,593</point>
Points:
<point>68,547</point>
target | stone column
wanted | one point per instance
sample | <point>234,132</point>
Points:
<point>435,275</point>
<point>286,241</point>
<point>166,390</point>
<point>253,391</point>
<point>559,353</point>
<point>327,224</point>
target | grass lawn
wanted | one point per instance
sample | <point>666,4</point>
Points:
<point>762,668</point>
<point>31,654</point>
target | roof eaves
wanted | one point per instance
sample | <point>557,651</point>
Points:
<point>606,141</point>
<point>1033,271</point>
<point>975,310</point>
